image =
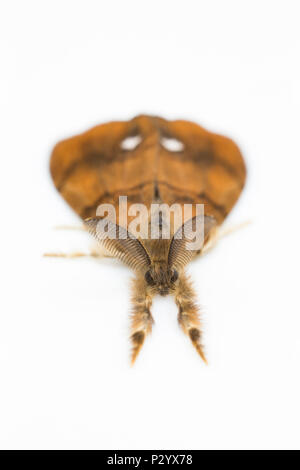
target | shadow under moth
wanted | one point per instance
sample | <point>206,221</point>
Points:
<point>153,162</point>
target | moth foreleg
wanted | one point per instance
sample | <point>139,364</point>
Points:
<point>188,316</point>
<point>141,318</point>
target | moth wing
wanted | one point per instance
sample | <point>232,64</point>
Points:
<point>93,168</point>
<point>206,168</point>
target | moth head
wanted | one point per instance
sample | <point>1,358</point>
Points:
<point>161,278</point>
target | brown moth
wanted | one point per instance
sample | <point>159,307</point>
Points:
<point>152,161</point>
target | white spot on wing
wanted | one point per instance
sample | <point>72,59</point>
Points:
<point>130,143</point>
<point>171,144</point>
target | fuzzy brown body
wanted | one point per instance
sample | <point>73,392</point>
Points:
<point>95,168</point>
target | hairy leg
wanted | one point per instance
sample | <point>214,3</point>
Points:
<point>141,318</point>
<point>188,316</point>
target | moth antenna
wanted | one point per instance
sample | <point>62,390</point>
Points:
<point>188,316</point>
<point>141,318</point>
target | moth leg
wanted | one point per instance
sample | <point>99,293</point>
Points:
<point>75,254</point>
<point>188,316</point>
<point>70,227</point>
<point>141,318</point>
<point>221,232</point>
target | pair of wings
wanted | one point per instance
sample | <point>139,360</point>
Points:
<point>148,158</point>
<point>125,246</point>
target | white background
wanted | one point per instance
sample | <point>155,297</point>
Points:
<point>65,379</point>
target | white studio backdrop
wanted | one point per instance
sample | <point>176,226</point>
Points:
<point>65,379</point>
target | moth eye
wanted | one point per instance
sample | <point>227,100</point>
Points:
<point>174,276</point>
<point>149,279</point>
<point>130,143</point>
<point>171,144</point>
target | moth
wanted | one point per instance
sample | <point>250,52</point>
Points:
<point>152,161</point>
